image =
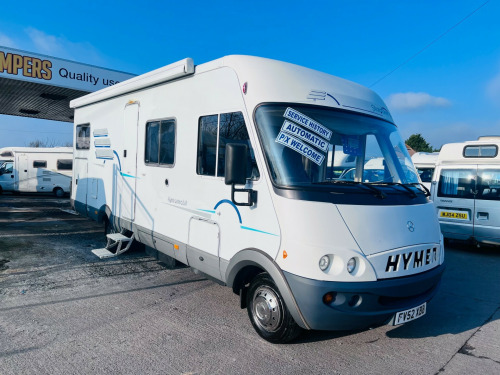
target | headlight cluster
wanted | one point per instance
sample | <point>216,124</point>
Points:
<point>325,261</point>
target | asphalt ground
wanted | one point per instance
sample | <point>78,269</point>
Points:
<point>64,311</point>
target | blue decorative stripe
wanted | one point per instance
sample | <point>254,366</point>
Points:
<point>209,211</point>
<point>256,230</point>
<point>128,175</point>
<point>96,146</point>
<point>333,98</point>
<point>118,157</point>
<point>105,158</point>
<point>232,204</point>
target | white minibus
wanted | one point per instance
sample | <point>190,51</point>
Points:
<point>466,190</point>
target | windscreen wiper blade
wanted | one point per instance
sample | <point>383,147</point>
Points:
<point>421,185</point>
<point>378,193</point>
<point>408,189</point>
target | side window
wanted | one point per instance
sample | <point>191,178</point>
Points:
<point>160,143</point>
<point>457,183</point>
<point>65,164</point>
<point>39,164</point>
<point>488,184</point>
<point>83,137</point>
<point>9,167</point>
<point>207,145</point>
<point>214,133</point>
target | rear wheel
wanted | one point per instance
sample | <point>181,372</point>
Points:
<point>268,312</point>
<point>58,192</point>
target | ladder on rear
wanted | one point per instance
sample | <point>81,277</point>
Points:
<point>117,242</point>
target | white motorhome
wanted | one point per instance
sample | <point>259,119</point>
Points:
<point>224,167</point>
<point>466,190</point>
<point>425,163</point>
<point>36,169</point>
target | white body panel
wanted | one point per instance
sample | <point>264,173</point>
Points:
<point>173,207</point>
<point>37,169</point>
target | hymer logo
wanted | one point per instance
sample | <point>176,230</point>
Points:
<point>413,259</point>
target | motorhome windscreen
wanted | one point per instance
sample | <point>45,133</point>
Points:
<point>307,146</point>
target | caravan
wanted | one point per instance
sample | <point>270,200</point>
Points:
<point>232,167</point>
<point>466,189</point>
<point>36,170</point>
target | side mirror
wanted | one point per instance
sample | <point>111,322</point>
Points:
<point>236,172</point>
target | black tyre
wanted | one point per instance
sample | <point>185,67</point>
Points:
<point>58,192</point>
<point>268,313</point>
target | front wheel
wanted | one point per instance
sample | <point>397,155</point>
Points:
<point>58,192</point>
<point>268,312</point>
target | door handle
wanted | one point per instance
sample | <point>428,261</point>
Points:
<point>483,216</point>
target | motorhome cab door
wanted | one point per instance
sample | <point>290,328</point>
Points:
<point>455,200</point>
<point>487,204</point>
<point>128,178</point>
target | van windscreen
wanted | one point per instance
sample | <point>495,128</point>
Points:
<point>309,145</point>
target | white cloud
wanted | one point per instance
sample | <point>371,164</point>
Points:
<point>411,101</point>
<point>493,88</point>
<point>5,41</point>
<point>59,46</point>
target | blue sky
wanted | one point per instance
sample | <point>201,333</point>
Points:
<point>449,92</point>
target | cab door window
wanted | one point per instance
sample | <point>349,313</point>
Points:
<point>214,133</point>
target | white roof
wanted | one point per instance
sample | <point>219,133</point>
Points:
<point>453,153</point>
<point>425,158</point>
<point>267,81</point>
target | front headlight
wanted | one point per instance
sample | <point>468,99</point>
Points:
<point>351,265</point>
<point>324,262</point>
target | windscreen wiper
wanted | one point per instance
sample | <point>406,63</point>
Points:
<point>378,193</point>
<point>408,189</point>
<point>421,185</point>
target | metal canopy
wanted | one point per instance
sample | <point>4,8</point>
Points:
<point>28,99</point>
<point>39,86</point>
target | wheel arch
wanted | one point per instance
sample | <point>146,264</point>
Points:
<point>247,263</point>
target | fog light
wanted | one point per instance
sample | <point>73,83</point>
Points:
<point>328,298</point>
<point>351,265</point>
<point>324,262</point>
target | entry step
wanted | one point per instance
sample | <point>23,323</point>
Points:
<point>119,237</point>
<point>103,253</point>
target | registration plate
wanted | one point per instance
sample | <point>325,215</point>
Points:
<point>454,215</point>
<point>410,314</point>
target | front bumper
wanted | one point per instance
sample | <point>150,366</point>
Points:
<point>359,305</point>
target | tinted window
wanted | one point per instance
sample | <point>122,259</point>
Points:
<point>65,164</point>
<point>231,129</point>
<point>160,142</point>
<point>152,142</point>
<point>488,184</point>
<point>207,145</point>
<point>425,174</point>
<point>83,137</point>
<point>39,164</point>
<point>457,183</point>
<point>6,153</point>
<point>482,151</point>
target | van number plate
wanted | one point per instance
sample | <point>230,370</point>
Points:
<point>410,314</point>
<point>454,215</point>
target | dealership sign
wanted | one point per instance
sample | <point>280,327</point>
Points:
<point>27,66</point>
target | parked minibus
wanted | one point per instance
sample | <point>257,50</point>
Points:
<point>466,190</point>
<point>233,168</point>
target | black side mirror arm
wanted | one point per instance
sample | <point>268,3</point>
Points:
<point>252,196</point>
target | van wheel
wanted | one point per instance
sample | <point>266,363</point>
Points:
<point>58,192</point>
<point>268,313</point>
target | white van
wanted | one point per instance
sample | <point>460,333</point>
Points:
<point>228,167</point>
<point>36,169</point>
<point>466,190</point>
<point>425,163</point>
